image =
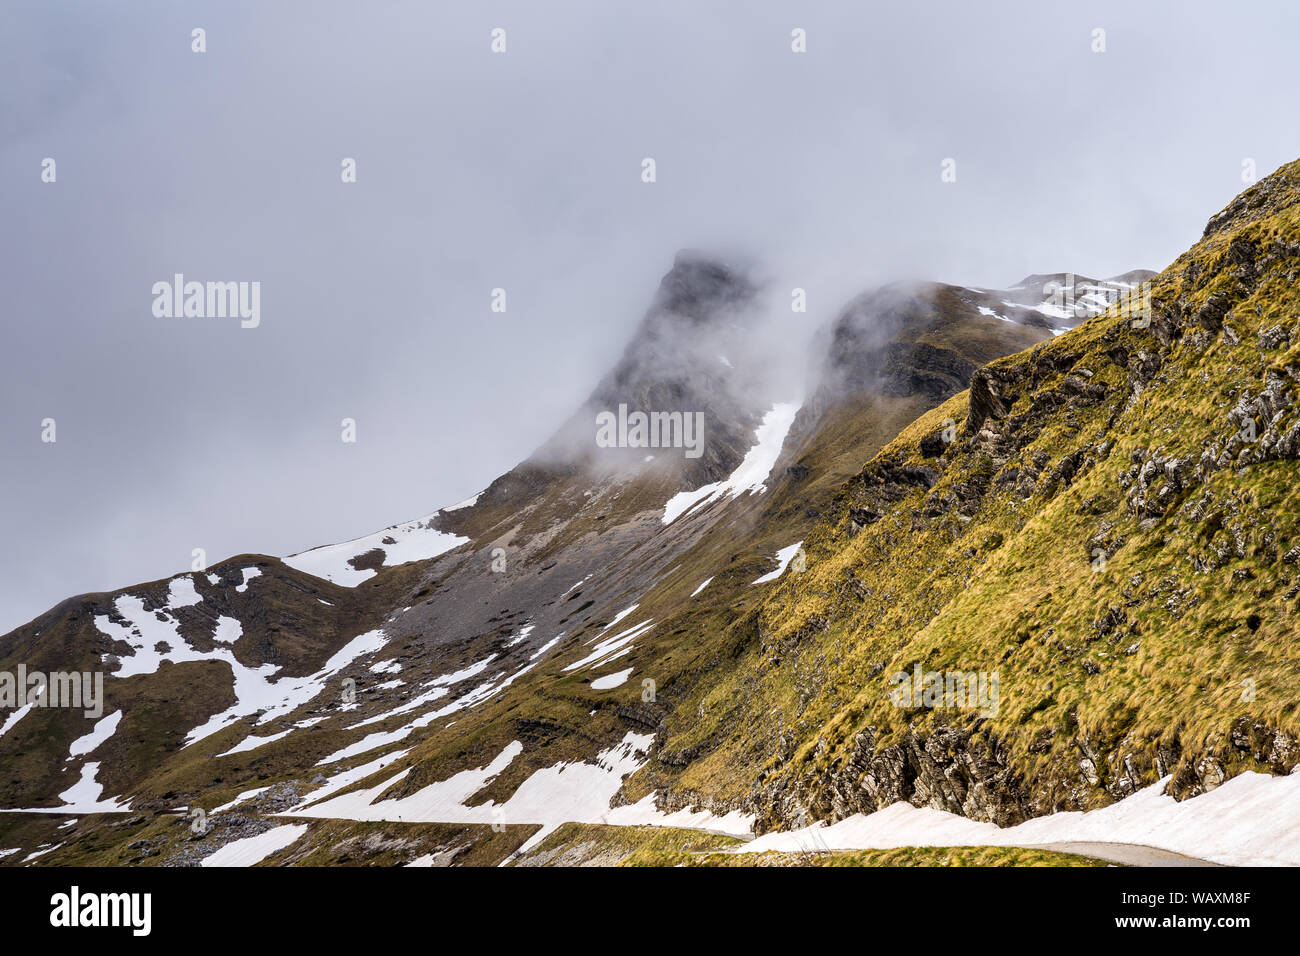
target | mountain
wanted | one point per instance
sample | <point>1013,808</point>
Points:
<point>1010,483</point>
<point>1116,546</point>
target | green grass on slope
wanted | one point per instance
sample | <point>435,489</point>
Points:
<point>589,844</point>
<point>961,856</point>
<point>1162,660</point>
<point>577,844</point>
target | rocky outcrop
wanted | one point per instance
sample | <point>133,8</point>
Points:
<point>946,770</point>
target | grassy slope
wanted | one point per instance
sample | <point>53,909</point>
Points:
<point>961,856</point>
<point>590,845</point>
<point>724,673</point>
<point>557,715</point>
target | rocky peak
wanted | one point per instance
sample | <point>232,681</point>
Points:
<point>700,285</point>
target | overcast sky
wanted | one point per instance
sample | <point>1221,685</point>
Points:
<point>521,171</point>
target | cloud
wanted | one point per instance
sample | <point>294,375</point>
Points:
<point>519,171</point>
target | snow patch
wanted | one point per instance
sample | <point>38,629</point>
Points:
<point>609,681</point>
<point>752,472</point>
<point>255,849</point>
<point>547,646</point>
<point>84,795</point>
<point>985,310</point>
<point>41,852</point>
<point>783,559</point>
<point>16,716</point>
<point>252,743</point>
<point>521,636</point>
<point>181,592</point>
<point>473,670</point>
<point>102,730</point>
<point>608,646</point>
<point>645,813</point>
<point>228,630</point>
<point>348,777</point>
<point>413,541</point>
<point>246,795</point>
<point>368,742</point>
<point>1247,821</point>
<point>577,584</point>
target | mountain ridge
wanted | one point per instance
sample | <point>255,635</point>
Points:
<point>740,690</point>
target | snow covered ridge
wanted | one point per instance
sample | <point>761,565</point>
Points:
<point>752,472</point>
<point>416,540</point>
<point>1247,821</point>
<point>1066,299</point>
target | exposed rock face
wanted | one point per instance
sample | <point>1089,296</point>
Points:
<point>943,770</point>
<point>948,770</point>
<point>1262,199</point>
<point>986,400</point>
<point>700,287</point>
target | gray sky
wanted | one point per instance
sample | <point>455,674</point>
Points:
<point>522,171</point>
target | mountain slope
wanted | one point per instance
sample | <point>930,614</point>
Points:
<point>1118,547</point>
<point>589,637</point>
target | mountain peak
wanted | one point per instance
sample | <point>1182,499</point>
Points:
<point>700,284</point>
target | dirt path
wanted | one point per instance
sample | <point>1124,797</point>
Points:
<point>1131,854</point>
